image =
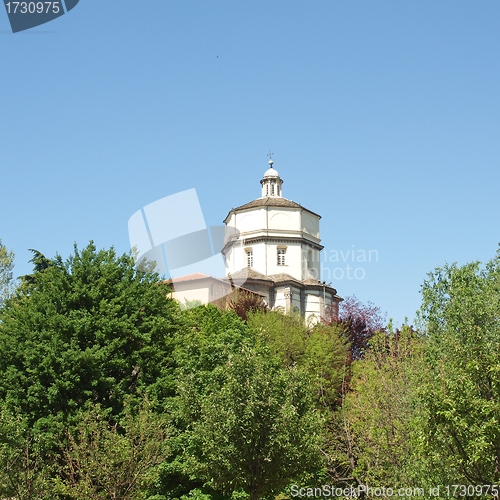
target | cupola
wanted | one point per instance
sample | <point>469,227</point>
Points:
<point>271,183</point>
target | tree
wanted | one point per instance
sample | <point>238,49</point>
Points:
<point>285,334</point>
<point>460,313</point>
<point>6,278</point>
<point>320,350</point>
<point>111,460</point>
<point>238,406</point>
<point>208,338</point>
<point>379,413</point>
<point>257,428</point>
<point>25,471</point>
<point>360,323</point>
<point>91,328</point>
<point>244,302</point>
<point>40,263</point>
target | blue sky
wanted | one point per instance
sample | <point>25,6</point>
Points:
<point>383,117</point>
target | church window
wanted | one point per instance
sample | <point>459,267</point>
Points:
<point>250,258</point>
<point>281,256</point>
<point>272,189</point>
<point>267,189</point>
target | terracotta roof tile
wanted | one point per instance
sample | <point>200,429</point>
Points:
<point>189,277</point>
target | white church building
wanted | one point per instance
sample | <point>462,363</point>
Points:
<point>273,247</point>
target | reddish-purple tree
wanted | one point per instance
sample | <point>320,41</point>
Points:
<point>360,323</point>
<point>243,302</point>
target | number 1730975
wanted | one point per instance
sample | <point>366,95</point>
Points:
<point>33,7</point>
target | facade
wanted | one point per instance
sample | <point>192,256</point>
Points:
<point>200,287</point>
<point>274,244</point>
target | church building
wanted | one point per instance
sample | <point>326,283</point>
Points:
<point>276,248</point>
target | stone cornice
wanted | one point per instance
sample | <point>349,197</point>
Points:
<point>273,239</point>
<point>279,233</point>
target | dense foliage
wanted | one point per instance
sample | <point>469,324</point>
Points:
<point>88,329</point>
<point>461,395</point>
<point>111,391</point>
<point>424,408</point>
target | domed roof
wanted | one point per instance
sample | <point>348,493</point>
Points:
<point>271,172</point>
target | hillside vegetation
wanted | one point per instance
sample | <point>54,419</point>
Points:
<point>110,391</point>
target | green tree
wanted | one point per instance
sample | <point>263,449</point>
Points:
<point>230,385</point>
<point>110,460</point>
<point>320,350</point>
<point>325,360</point>
<point>322,353</point>
<point>285,334</point>
<point>379,414</point>
<point>91,328</point>
<point>257,428</point>
<point>6,277</point>
<point>461,395</point>
<point>25,469</point>
<point>209,337</point>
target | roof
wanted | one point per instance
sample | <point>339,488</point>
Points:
<point>312,281</point>
<point>189,277</point>
<point>249,272</point>
<point>272,201</point>
<point>277,278</point>
<point>322,284</point>
<point>271,172</point>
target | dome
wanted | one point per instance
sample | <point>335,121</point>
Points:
<point>271,172</point>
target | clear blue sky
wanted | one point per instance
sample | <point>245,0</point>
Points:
<point>383,117</point>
